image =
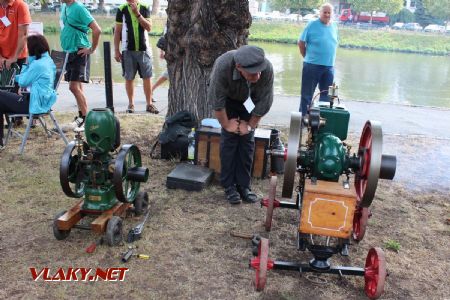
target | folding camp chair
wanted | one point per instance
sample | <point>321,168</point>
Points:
<point>60,60</point>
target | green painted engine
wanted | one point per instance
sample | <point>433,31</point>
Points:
<point>94,170</point>
<point>324,155</point>
<point>330,158</point>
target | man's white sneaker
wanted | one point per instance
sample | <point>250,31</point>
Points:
<point>77,122</point>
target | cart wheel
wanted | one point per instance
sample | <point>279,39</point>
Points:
<point>272,193</point>
<point>261,272</point>
<point>375,273</point>
<point>59,234</point>
<point>140,203</point>
<point>360,223</point>
<point>114,231</point>
<point>370,153</point>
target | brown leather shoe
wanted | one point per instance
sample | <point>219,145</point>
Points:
<point>130,109</point>
<point>152,109</point>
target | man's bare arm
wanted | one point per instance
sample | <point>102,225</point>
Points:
<point>21,42</point>
<point>117,36</point>
<point>96,31</point>
<point>302,47</point>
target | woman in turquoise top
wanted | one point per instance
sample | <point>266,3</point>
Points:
<point>38,75</point>
<point>317,45</point>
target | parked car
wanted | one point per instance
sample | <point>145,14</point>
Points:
<point>310,17</point>
<point>34,6</point>
<point>295,18</point>
<point>412,27</point>
<point>91,8</point>
<point>434,28</point>
<point>398,26</point>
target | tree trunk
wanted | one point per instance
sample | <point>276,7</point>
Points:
<point>155,7</point>
<point>199,31</point>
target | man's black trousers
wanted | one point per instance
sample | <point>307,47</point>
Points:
<point>236,158</point>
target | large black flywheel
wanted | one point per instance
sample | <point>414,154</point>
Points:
<point>71,171</point>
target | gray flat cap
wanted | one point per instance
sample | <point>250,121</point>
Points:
<point>251,58</point>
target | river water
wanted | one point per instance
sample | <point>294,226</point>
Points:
<point>361,75</point>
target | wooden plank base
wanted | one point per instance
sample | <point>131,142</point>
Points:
<point>99,224</point>
<point>73,216</point>
<point>70,218</point>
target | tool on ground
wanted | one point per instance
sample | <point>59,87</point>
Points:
<point>240,234</point>
<point>130,253</point>
<point>93,246</point>
<point>331,210</point>
<point>135,233</point>
<point>126,257</point>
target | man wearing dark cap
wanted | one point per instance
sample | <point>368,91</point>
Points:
<point>241,88</point>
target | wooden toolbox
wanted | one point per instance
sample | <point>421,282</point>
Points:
<point>327,209</point>
<point>207,150</point>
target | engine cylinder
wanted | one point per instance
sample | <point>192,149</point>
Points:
<point>100,130</point>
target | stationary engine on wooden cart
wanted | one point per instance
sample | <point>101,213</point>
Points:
<point>332,210</point>
<point>107,181</point>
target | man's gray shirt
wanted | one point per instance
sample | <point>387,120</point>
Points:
<point>226,83</point>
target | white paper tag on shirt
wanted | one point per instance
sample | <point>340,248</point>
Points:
<point>5,21</point>
<point>249,105</point>
<point>61,24</point>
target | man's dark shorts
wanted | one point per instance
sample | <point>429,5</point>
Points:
<point>78,68</point>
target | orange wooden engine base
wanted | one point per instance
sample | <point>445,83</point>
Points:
<point>327,209</point>
<point>75,214</point>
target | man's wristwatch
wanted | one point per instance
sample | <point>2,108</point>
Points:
<point>250,128</point>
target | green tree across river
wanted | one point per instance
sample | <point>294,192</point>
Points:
<point>381,39</point>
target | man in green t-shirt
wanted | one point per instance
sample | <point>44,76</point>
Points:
<point>76,21</point>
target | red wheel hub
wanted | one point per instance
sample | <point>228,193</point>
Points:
<point>375,273</point>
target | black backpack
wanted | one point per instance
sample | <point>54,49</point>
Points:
<point>174,136</point>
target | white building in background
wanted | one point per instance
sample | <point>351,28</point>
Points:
<point>253,6</point>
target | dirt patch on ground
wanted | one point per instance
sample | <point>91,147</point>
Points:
<point>193,255</point>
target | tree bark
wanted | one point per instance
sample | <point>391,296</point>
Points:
<point>199,31</point>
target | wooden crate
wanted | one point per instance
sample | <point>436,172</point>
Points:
<point>207,150</point>
<point>327,209</point>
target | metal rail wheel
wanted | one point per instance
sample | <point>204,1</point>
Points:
<point>375,273</point>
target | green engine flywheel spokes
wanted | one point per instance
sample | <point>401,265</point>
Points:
<point>126,189</point>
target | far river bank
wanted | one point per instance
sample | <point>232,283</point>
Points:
<point>287,33</point>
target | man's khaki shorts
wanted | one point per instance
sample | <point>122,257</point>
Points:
<point>136,61</point>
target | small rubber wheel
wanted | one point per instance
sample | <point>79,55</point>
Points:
<point>261,273</point>
<point>58,233</point>
<point>375,273</point>
<point>360,219</point>
<point>140,203</point>
<point>114,231</point>
<point>272,193</point>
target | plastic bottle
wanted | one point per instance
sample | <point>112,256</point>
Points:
<point>191,146</point>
